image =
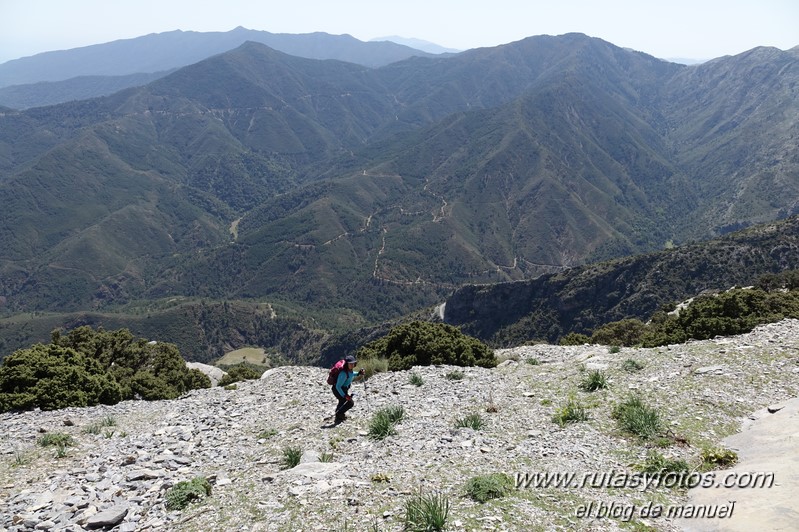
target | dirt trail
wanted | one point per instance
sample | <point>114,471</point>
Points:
<point>769,443</point>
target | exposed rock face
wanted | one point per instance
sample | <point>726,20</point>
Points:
<point>236,438</point>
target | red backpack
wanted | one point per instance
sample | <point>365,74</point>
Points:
<point>332,375</point>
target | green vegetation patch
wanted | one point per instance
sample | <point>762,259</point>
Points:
<point>636,417</point>
<point>487,487</point>
<point>87,367</point>
<point>179,496</point>
<point>241,372</point>
<point>423,344</point>
<point>595,380</point>
<point>426,512</point>
<point>572,412</point>
<point>384,420</point>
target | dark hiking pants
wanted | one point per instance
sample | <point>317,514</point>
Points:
<point>343,404</point>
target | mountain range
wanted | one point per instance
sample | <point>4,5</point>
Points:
<point>102,69</point>
<point>358,194</point>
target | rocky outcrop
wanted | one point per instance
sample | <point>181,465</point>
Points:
<point>117,478</point>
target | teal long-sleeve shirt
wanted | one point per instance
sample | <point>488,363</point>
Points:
<point>345,379</point>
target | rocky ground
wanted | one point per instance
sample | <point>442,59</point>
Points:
<point>127,456</point>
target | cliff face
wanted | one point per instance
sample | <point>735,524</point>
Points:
<point>119,474</point>
<point>580,299</point>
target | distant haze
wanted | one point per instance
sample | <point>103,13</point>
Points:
<point>419,44</point>
<point>679,28</point>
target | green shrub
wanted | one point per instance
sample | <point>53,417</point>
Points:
<point>574,338</point>
<point>423,344</point>
<point>426,513</point>
<point>470,421</point>
<point>380,477</point>
<point>487,487</point>
<point>454,376</point>
<point>572,412</point>
<point>635,417</point>
<point>627,332</point>
<point>183,493</point>
<point>95,428</point>
<point>87,367</point>
<point>52,377</point>
<point>415,379</point>
<point>380,427</point>
<point>266,434</point>
<point>718,458</point>
<point>595,380</point>
<point>147,370</point>
<point>630,365</point>
<point>240,372</point>
<point>732,312</point>
<point>533,361</point>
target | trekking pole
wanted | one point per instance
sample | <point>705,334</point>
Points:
<point>366,392</point>
<point>338,409</point>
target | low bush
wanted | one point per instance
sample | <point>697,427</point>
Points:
<point>656,464</point>
<point>574,338</point>
<point>424,344</point>
<point>630,365</point>
<point>718,458</point>
<point>179,496</point>
<point>88,367</point>
<point>240,372</point>
<point>55,439</point>
<point>487,487</point>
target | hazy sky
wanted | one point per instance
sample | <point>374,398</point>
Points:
<point>668,29</point>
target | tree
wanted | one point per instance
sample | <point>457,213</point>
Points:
<point>52,377</point>
<point>422,344</point>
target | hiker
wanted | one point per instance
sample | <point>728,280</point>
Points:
<point>341,389</point>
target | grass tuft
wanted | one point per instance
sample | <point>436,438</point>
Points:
<point>383,421</point>
<point>291,457</point>
<point>595,380</point>
<point>572,412</point>
<point>635,417</point>
<point>426,513</point>
<point>471,421</point>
